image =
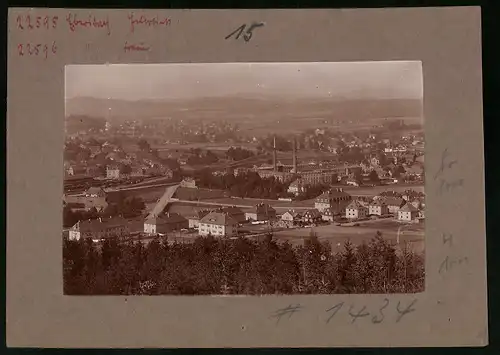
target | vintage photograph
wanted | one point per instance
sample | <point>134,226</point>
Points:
<point>244,178</point>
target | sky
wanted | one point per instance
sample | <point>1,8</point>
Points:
<point>384,80</point>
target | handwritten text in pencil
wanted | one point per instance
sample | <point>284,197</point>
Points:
<point>375,316</point>
<point>140,47</point>
<point>36,49</point>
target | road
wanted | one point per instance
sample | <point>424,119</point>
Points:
<point>285,208</point>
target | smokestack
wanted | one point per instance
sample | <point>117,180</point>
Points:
<point>295,170</point>
<point>274,155</point>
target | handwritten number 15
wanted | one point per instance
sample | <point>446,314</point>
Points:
<point>247,35</point>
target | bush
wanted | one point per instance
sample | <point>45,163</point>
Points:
<point>239,266</point>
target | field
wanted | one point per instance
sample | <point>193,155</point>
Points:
<point>337,235</point>
<point>254,201</point>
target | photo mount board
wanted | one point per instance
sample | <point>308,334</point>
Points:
<point>451,312</point>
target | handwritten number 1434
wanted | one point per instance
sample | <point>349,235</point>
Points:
<point>247,35</point>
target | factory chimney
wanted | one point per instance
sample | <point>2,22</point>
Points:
<point>295,170</point>
<point>275,166</point>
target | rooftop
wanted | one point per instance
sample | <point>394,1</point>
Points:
<point>218,218</point>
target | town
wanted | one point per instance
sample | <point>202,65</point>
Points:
<point>214,179</point>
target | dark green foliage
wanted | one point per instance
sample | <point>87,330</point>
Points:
<point>241,266</point>
<point>248,184</point>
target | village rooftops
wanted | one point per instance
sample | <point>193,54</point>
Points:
<point>200,214</point>
<point>393,201</point>
<point>167,218</point>
<point>312,213</point>
<point>293,213</point>
<point>231,210</point>
<point>262,208</point>
<point>218,218</point>
<point>378,202</point>
<point>332,194</point>
<point>355,204</point>
<point>99,225</point>
<point>408,207</point>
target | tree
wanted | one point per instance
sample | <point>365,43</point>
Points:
<point>69,217</point>
<point>126,169</point>
<point>144,145</point>
<point>238,153</point>
<point>374,178</point>
<point>241,266</point>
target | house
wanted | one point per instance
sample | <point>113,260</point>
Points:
<point>352,182</point>
<point>329,215</point>
<point>188,182</point>
<point>76,170</point>
<point>194,221</point>
<point>236,213</point>
<point>86,203</point>
<point>393,203</point>
<point>415,170</point>
<point>416,203</point>
<point>374,162</point>
<point>95,192</point>
<point>311,216</point>
<point>166,223</point>
<point>291,217</point>
<point>261,212</point>
<point>334,198</point>
<point>113,172</point>
<point>99,229</point>
<point>378,208</point>
<point>407,213</point>
<point>356,209</point>
<point>296,187</point>
<point>218,224</point>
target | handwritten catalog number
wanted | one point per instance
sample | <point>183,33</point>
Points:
<point>36,49</point>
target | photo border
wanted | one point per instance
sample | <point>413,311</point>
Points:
<point>446,40</point>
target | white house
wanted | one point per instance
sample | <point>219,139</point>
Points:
<point>194,221</point>
<point>113,172</point>
<point>378,208</point>
<point>291,217</point>
<point>356,209</point>
<point>218,224</point>
<point>98,229</point>
<point>296,187</point>
<point>407,213</point>
<point>394,203</point>
<point>335,198</point>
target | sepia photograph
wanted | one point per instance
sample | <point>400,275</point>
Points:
<point>265,178</point>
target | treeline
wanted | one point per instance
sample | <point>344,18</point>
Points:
<point>241,266</point>
<point>249,184</point>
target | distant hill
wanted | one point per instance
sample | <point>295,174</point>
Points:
<point>240,107</point>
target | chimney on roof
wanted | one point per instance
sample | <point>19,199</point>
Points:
<point>274,155</point>
<point>295,169</point>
